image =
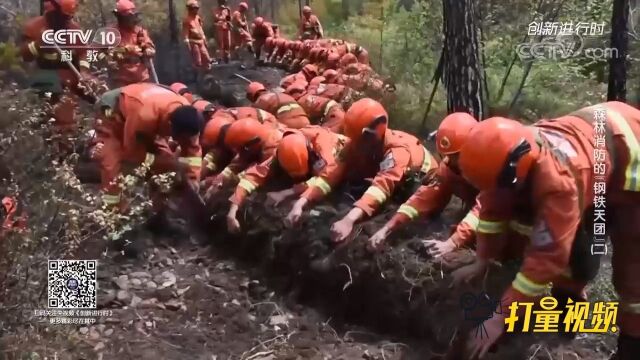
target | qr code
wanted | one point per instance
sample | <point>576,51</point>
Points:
<point>72,284</point>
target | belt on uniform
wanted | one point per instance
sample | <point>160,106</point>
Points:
<point>288,107</point>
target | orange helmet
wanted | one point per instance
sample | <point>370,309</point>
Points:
<point>293,154</point>
<point>281,42</point>
<point>453,131</point>
<point>330,74</point>
<point>306,10</point>
<point>347,60</point>
<point>296,89</point>
<point>310,71</point>
<point>254,89</point>
<point>333,58</point>
<point>243,6</point>
<point>298,45</point>
<point>245,134</point>
<point>500,155</point>
<point>204,107</point>
<point>214,132</point>
<point>270,42</point>
<point>67,7</point>
<point>193,4</point>
<point>125,7</point>
<point>182,89</point>
<point>259,21</point>
<point>365,116</point>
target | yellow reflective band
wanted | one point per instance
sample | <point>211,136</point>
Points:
<point>148,159</point>
<point>377,194</point>
<point>108,112</point>
<point>472,220</point>
<point>191,160</point>
<point>84,64</point>
<point>528,287</point>
<point>110,199</point>
<point>101,56</point>
<point>490,227</point>
<point>50,56</point>
<point>227,172</point>
<point>408,210</point>
<point>262,115</point>
<point>286,108</point>
<point>521,228</point>
<point>328,107</point>
<point>208,157</point>
<point>247,185</point>
<point>349,49</point>
<point>426,163</point>
<point>32,48</point>
<point>632,173</point>
<point>320,183</point>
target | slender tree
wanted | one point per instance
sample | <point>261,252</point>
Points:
<point>620,42</point>
<point>462,73</point>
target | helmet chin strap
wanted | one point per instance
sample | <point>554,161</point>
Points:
<point>508,177</point>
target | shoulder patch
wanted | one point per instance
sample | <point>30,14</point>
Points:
<point>540,235</point>
<point>388,162</point>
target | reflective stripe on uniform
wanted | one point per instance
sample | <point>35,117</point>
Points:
<point>490,227</point>
<point>247,185</point>
<point>528,287</point>
<point>472,220</point>
<point>262,115</point>
<point>328,107</point>
<point>227,172</point>
<point>320,183</point>
<point>148,159</point>
<point>32,48</point>
<point>632,172</point>
<point>84,64</point>
<point>208,157</point>
<point>377,194</point>
<point>191,160</point>
<point>408,210</point>
<point>50,56</point>
<point>521,228</point>
<point>426,163</point>
<point>110,199</point>
<point>288,107</point>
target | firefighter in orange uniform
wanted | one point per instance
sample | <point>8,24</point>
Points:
<point>182,90</point>
<point>321,110</point>
<point>313,157</point>
<point>138,120</point>
<point>240,35</point>
<point>286,109</point>
<point>243,112</point>
<point>135,46</point>
<point>54,75</point>
<point>195,38</point>
<point>556,166</point>
<point>222,18</point>
<point>206,109</point>
<point>390,156</point>
<point>310,27</point>
<point>337,92</point>
<point>433,197</point>
<point>250,141</point>
<point>305,75</point>
<point>260,31</point>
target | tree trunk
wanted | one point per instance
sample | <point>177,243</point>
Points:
<point>462,75</point>
<point>620,42</point>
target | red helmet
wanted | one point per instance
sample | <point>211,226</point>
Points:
<point>67,7</point>
<point>293,154</point>
<point>254,89</point>
<point>306,10</point>
<point>125,7</point>
<point>296,90</point>
<point>499,155</point>
<point>259,21</point>
<point>330,74</point>
<point>310,71</point>
<point>243,6</point>
<point>365,116</point>
<point>453,132</point>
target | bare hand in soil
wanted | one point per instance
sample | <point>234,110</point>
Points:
<point>377,241</point>
<point>437,248</point>
<point>214,188</point>
<point>467,273</point>
<point>340,230</point>
<point>274,198</point>
<point>479,344</point>
<point>233,225</point>
<point>293,217</point>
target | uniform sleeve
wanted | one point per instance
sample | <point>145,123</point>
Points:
<point>495,208</point>
<point>323,183</point>
<point>253,178</point>
<point>191,156</point>
<point>428,199</point>
<point>390,175</point>
<point>466,230</point>
<point>547,256</point>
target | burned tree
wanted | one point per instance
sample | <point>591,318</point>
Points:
<point>619,41</point>
<point>462,73</point>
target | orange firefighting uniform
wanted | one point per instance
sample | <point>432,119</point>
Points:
<point>287,110</point>
<point>327,171</point>
<point>335,92</point>
<point>222,18</point>
<point>298,77</point>
<point>135,129</point>
<point>323,111</point>
<point>345,47</point>
<point>560,198</point>
<point>402,155</point>
<point>260,35</point>
<point>240,35</point>
<point>433,197</point>
<point>50,63</point>
<point>131,65</point>
<point>310,28</point>
<point>195,39</point>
